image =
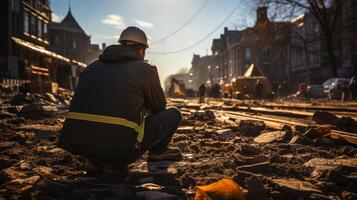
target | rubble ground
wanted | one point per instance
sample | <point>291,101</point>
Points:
<point>291,163</point>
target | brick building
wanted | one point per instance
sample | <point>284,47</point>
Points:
<point>267,46</point>
<point>349,39</point>
<point>224,55</point>
<point>309,61</point>
<point>284,51</point>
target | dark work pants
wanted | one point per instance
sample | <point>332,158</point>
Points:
<point>159,129</point>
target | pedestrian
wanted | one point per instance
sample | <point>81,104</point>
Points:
<point>352,87</point>
<point>280,90</point>
<point>275,89</point>
<point>202,91</point>
<point>216,91</point>
<point>106,122</point>
<point>285,88</point>
<point>259,89</point>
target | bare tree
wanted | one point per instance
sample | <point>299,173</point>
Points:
<point>326,12</point>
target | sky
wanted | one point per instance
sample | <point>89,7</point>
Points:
<point>104,20</point>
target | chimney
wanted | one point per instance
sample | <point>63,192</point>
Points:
<point>262,14</point>
<point>104,45</point>
<point>225,30</point>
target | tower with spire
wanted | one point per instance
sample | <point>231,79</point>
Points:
<point>69,39</point>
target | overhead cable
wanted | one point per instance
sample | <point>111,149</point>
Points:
<point>201,40</point>
<point>181,27</point>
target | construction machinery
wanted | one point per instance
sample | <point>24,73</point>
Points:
<point>245,86</point>
<point>177,88</point>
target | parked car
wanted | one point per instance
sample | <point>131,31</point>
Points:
<point>334,87</point>
<point>315,91</point>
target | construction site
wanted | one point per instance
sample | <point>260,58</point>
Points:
<point>269,113</point>
<point>271,149</point>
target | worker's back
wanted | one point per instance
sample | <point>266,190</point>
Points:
<point>119,84</point>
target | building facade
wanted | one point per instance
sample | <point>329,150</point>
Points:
<point>349,39</point>
<point>70,40</point>
<point>266,45</point>
<point>25,26</point>
<point>25,52</point>
<point>202,71</point>
<point>309,61</point>
<point>224,55</point>
<point>291,52</point>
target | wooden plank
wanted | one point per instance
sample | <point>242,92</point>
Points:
<point>279,124</point>
<point>348,137</point>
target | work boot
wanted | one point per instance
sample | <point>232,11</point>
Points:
<point>121,170</point>
<point>170,154</point>
<point>92,168</point>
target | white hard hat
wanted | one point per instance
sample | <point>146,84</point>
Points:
<point>134,34</point>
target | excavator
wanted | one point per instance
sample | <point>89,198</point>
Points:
<point>177,88</point>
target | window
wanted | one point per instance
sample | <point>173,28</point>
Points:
<point>15,5</point>
<point>248,53</point>
<point>33,25</point>
<point>39,29</point>
<point>45,30</point>
<point>316,28</point>
<point>26,22</point>
<point>56,41</point>
<point>74,43</point>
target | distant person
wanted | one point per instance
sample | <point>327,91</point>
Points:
<point>352,87</point>
<point>231,92</point>
<point>285,88</point>
<point>202,92</point>
<point>106,122</point>
<point>280,90</point>
<point>216,90</point>
<point>275,89</point>
<point>259,87</point>
<point>303,89</point>
<point>209,91</point>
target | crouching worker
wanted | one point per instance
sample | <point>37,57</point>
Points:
<point>106,121</point>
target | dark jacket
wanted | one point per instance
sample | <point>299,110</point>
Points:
<point>119,84</point>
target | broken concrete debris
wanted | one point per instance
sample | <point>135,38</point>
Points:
<point>331,119</point>
<point>269,137</point>
<point>322,117</point>
<point>291,162</point>
<point>251,127</point>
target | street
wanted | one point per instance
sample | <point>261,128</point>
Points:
<point>272,150</point>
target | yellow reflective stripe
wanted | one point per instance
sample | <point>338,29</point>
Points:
<point>110,120</point>
<point>141,131</point>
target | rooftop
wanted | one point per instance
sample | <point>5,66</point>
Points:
<point>69,23</point>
